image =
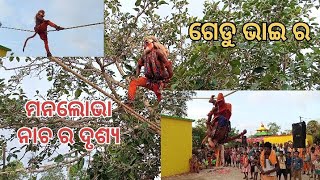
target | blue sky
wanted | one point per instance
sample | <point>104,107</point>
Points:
<point>87,41</point>
<point>251,108</point>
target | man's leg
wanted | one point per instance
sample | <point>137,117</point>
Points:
<point>218,156</point>
<point>54,25</point>
<point>142,81</point>
<point>223,161</point>
<point>285,175</point>
<point>42,31</point>
<point>212,142</point>
<point>251,171</point>
<point>155,87</point>
<point>299,175</point>
<point>294,174</point>
<point>44,37</point>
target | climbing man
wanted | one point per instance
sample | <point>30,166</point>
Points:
<point>218,126</point>
<point>41,29</point>
<point>157,69</point>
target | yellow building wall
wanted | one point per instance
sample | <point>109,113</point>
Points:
<point>284,138</point>
<point>176,145</point>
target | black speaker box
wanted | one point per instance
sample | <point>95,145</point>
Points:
<point>299,135</point>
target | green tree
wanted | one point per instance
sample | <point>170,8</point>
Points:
<point>274,128</point>
<point>287,132</point>
<point>312,127</point>
<point>198,133</point>
<point>251,64</point>
<point>101,78</point>
<point>13,170</point>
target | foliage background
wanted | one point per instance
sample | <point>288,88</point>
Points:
<point>197,66</point>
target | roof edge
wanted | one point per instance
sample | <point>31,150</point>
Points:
<point>177,117</point>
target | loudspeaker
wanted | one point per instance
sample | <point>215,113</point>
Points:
<point>244,141</point>
<point>299,134</point>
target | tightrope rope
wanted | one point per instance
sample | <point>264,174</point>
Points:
<point>16,29</point>
<point>93,24</point>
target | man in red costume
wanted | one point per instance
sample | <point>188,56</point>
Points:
<point>219,126</point>
<point>41,28</point>
<point>157,69</point>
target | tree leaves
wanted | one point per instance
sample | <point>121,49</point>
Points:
<point>59,158</point>
<point>274,128</point>
<point>77,94</point>
<point>162,2</point>
<point>138,2</point>
<point>261,62</point>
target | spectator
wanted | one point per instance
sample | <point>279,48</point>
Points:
<point>246,165</point>
<point>239,159</point>
<point>234,157</point>
<point>288,164</point>
<point>254,163</point>
<point>251,157</point>
<point>317,167</point>
<point>297,165</point>
<point>306,162</point>
<point>313,155</point>
<point>269,164</point>
<point>282,165</point>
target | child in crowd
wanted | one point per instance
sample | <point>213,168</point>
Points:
<point>246,165</point>
<point>239,160</point>
<point>282,165</point>
<point>254,164</point>
<point>234,157</point>
<point>316,164</point>
<point>297,165</point>
<point>306,162</point>
<point>288,164</point>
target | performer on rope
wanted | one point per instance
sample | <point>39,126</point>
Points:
<point>41,29</point>
<point>157,69</point>
<point>219,127</point>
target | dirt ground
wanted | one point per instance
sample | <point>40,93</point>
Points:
<point>221,173</point>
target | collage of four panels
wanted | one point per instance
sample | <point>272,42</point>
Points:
<point>159,89</point>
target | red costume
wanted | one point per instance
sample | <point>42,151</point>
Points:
<point>221,115</point>
<point>41,29</point>
<point>157,71</point>
<point>220,126</point>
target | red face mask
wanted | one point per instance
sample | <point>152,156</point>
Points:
<point>148,46</point>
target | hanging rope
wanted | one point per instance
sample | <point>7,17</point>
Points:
<point>74,27</point>
<point>210,97</point>
<point>204,97</point>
